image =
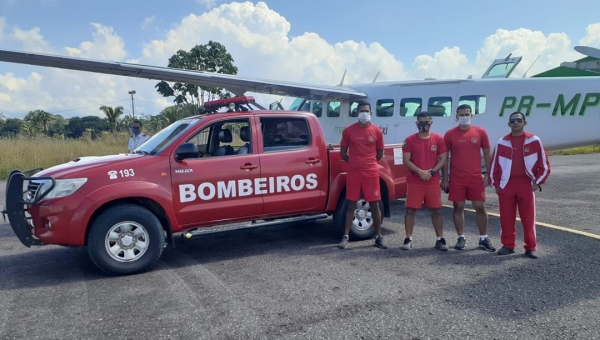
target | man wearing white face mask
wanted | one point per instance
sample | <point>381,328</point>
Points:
<point>465,143</point>
<point>365,142</point>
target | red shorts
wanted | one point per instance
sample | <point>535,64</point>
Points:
<point>469,189</point>
<point>417,193</point>
<point>357,183</point>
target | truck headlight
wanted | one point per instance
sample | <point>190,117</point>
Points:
<point>63,187</point>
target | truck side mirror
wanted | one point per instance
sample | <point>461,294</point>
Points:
<point>187,150</point>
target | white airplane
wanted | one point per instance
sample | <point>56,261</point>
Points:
<point>563,111</point>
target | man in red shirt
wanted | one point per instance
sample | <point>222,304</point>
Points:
<point>465,143</point>
<point>520,166</point>
<point>424,154</point>
<point>365,142</point>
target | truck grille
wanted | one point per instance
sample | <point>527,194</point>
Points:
<point>32,189</point>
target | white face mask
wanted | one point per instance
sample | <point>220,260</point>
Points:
<point>464,120</point>
<point>364,117</point>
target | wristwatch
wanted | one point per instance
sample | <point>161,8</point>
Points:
<point>432,172</point>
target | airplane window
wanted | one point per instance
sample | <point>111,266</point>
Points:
<point>410,107</point>
<point>476,102</point>
<point>305,106</point>
<point>385,108</point>
<point>317,108</point>
<point>440,106</point>
<point>353,111</point>
<point>501,70</point>
<point>333,109</point>
<point>296,104</point>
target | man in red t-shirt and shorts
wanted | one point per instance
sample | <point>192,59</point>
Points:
<point>364,140</point>
<point>424,154</point>
<point>465,143</point>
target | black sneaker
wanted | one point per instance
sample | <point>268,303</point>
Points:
<point>344,242</point>
<point>441,244</point>
<point>486,244</point>
<point>505,251</point>
<point>461,243</point>
<point>379,242</point>
<point>407,244</point>
<point>531,254</point>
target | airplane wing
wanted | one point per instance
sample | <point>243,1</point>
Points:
<point>235,84</point>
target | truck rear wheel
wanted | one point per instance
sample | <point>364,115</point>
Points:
<point>362,224</point>
<point>125,239</point>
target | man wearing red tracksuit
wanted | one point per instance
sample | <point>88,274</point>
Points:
<point>519,166</point>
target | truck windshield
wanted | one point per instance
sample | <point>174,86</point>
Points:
<point>166,136</point>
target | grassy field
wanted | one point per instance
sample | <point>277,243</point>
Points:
<point>27,153</point>
<point>577,151</point>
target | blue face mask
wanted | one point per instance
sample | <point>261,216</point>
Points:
<point>135,130</point>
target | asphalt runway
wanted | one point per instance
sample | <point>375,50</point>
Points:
<point>291,281</point>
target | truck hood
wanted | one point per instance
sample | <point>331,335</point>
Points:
<point>86,163</point>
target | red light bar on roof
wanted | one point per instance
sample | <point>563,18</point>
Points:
<point>227,101</point>
<point>235,104</point>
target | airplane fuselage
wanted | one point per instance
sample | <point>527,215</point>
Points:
<point>563,112</point>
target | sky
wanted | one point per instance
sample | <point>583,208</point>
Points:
<point>302,41</point>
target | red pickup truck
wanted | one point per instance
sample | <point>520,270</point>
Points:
<point>198,173</point>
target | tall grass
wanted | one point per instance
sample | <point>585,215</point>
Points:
<point>577,151</point>
<point>30,152</point>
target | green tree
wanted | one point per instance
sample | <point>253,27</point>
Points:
<point>57,127</point>
<point>174,113</point>
<point>211,57</point>
<point>12,127</point>
<point>112,115</point>
<point>38,121</point>
<point>74,128</point>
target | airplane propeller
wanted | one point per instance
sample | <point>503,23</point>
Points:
<point>589,51</point>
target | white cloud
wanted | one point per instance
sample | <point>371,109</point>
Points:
<point>208,3</point>
<point>31,40</point>
<point>260,42</point>
<point>107,45</point>
<point>593,36</point>
<point>147,22</point>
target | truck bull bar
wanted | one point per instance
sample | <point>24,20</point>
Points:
<point>17,205</point>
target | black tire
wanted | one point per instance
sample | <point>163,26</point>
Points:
<point>126,219</point>
<point>356,232</point>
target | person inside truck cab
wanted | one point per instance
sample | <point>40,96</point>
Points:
<point>362,148</point>
<point>138,137</point>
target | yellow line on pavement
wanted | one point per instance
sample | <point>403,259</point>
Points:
<point>547,225</point>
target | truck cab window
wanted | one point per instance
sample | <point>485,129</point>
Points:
<point>225,138</point>
<point>284,133</point>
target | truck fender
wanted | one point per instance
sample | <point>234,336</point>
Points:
<point>137,189</point>
<point>335,190</point>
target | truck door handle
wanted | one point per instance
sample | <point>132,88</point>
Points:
<point>248,166</point>
<point>312,161</point>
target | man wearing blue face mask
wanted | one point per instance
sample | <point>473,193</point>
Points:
<point>138,136</point>
<point>364,141</point>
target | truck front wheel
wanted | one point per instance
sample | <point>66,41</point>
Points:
<point>362,226</point>
<point>125,239</point>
